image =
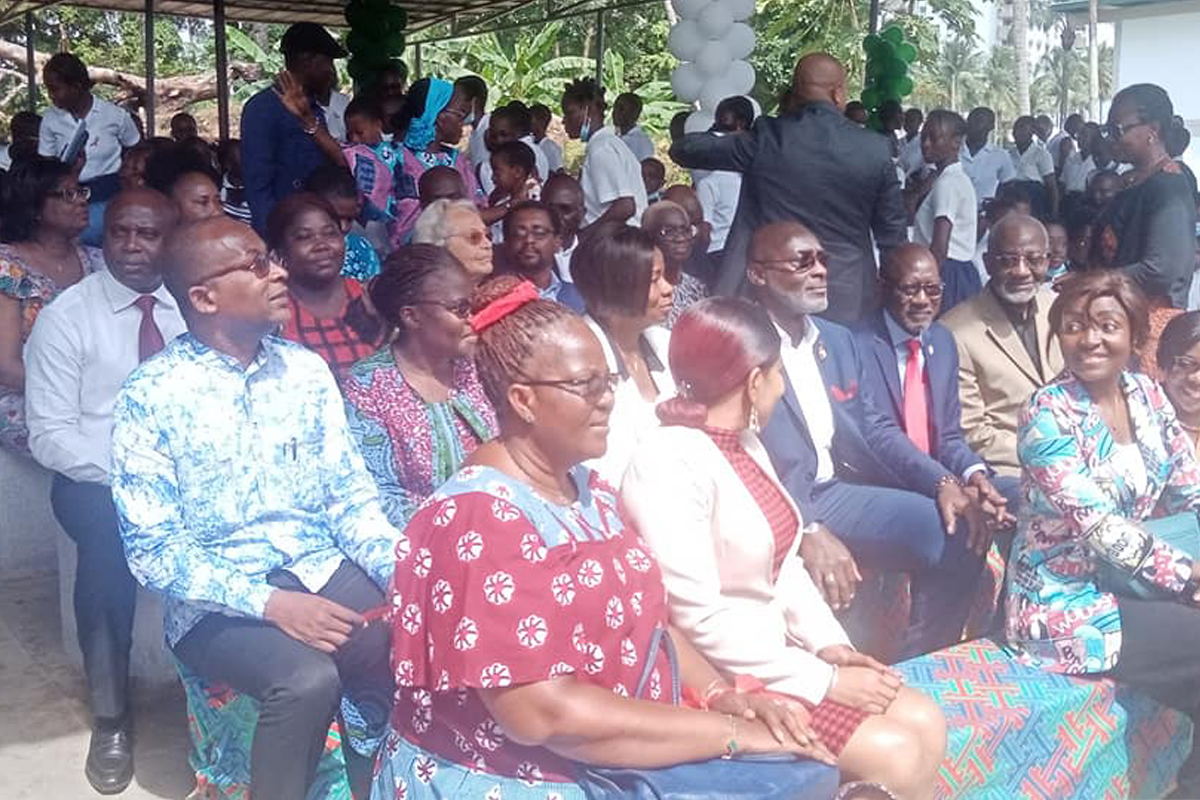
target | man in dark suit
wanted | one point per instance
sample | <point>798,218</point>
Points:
<point>866,492</point>
<point>814,166</point>
<point>910,363</point>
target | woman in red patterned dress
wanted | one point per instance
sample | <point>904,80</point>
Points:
<point>728,543</point>
<point>529,625</point>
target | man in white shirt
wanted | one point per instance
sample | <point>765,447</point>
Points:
<point>626,111</point>
<point>718,190</point>
<point>81,350</point>
<point>1062,143</point>
<point>476,91</point>
<point>540,116</point>
<point>986,164</point>
<point>611,178</point>
<point>564,195</point>
<point>1034,167</point>
<point>911,159</point>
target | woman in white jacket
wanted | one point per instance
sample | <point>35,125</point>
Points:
<point>728,544</point>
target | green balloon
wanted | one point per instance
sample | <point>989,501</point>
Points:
<point>904,87</point>
<point>378,5</point>
<point>358,68</point>
<point>357,14</point>
<point>871,43</point>
<point>871,98</point>
<point>897,68</point>
<point>893,35</point>
<point>359,40</point>
<point>393,45</point>
<point>397,19</point>
<point>906,52</point>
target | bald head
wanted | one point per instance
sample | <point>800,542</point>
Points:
<point>685,197</point>
<point>196,250</point>
<point>911,287</point>
<point>1017,258</point>
<point>772,241</point>
<point>136,224</point>
<point>1016,229</point>
<point>787,270</point>
<point>440,183</point>
<point>819,77</point>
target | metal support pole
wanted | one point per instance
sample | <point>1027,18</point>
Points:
<point>417,71</point>
<point>222,68</point>
<point>30,66</point>
<point>148,101</point>
<point>600,47</point>
<point>874,24</point>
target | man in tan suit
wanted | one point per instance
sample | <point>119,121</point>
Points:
<point>1005,350</point>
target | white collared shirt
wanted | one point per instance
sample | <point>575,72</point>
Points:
<point>539,159</point>
<point>477,144</point>
<point>718,193</point>
<point>1054,146</point>
<point>109,127</point>
<point>639,142</point>
<point>552,150</point>
<point>952,197</point>
<point>987,169</point>
<point>1076,171</point>
<point>911,157</point>
<point>900,338</point>
<point>79,353</point>
<point>335,115</point>
<point>610,171</point>
<point>563,259</point>
<point>800,364</point>
<point>1032,165</point>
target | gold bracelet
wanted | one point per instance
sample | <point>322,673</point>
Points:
<point>731,747</point>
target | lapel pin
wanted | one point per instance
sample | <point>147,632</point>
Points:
<point>821,353</point>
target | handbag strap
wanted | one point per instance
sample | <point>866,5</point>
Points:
<point>660,638</point>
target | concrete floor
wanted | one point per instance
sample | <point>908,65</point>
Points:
<point>44,719</point>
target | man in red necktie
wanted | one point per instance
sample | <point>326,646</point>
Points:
<point>81,350</point>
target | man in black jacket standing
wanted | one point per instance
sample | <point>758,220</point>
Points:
<point>814,166</point>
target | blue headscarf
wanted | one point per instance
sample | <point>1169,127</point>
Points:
<point>421,129</point>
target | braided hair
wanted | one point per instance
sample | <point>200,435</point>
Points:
<point>506,346</point>
<point>404,276</point>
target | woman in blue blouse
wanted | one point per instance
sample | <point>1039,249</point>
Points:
<point>1101,452</point>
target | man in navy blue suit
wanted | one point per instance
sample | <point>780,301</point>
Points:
<point>920,394</point>
<point>866,492</point>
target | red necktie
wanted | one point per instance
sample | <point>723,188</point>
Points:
<point>150,339</point>
<point>916,413</point>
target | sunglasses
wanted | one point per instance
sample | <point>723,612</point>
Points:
<point>591,390</point>
<point>75,195</point>
<point>459,308</point>
<point>260,265</point>
<point>911,290</point>
<point>1008,261</point>
<point>798,265</point>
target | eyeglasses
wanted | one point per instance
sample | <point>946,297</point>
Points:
<point>677,233</point>
<point>802,262</point>
<point>1115,130</point>
<point>260,265</point>
<point>591,390</point>
<point>1007,261</point>
<point>459,308</point>
<point>73,195</point>
<point>474,238</point>
<point>538,234</point>
<point>1186,366</point>
<point>910,290</point>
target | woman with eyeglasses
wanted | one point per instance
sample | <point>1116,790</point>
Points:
<point>728,544</point>
<point>675,236</point>
<point>430,124</point>
<point>457,226</point>
<point>45,211</point>
<point>530,635</point>
<point>1149,229</point>
<point>946,218</point>
<point>1102,453</point>
<point>330,314</point>
<point>416,407</point>
<point>622,275</point>
<point>1178,358</point>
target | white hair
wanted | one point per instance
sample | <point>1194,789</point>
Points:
<point>433,227</point>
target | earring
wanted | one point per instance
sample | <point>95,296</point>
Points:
<point>527,417</point>
<point>754,426</point>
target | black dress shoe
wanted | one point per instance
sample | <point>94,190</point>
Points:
<point>109,766</point>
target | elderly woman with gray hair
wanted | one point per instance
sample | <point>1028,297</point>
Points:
<point>457,226</point>
<point>675,236</point>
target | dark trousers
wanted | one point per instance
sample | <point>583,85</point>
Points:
<point>299,688</point>
<point>105,591</point>
<point>1160,654</point>
<point>894,530</point>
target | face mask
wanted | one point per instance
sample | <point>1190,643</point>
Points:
<point>585,131</point>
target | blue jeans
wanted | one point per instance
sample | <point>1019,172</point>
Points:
<point>891,530</point>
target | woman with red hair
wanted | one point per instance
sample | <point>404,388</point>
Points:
<point>728,545</point>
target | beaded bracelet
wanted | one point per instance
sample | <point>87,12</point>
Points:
<point>731,747</point>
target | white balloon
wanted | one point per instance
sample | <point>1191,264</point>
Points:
<point>715,90</point>
<point>698,122</point>
<point>713,59</point>
<point>686,82</point>
<point>685,39</point>
<point>739,78</point>
<point>689,9</point>
<point>739,39</point>
<point>715,19</point>
<point>741,9</point>
<point>754,104</point>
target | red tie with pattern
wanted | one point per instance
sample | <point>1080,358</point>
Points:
<point>916,412</point>
<point>150,339</point>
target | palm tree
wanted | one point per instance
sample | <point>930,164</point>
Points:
<point>959,67</point>
<point>999,92</point>
<point>1020,43</point>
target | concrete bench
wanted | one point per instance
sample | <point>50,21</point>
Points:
<point>1018,732</point>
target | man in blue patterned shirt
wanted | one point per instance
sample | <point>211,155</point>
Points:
<point>243,499</point>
